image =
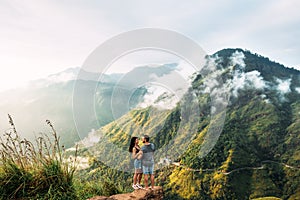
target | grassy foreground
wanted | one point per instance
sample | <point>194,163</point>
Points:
<point>41,170</point>
<point>35,170</point>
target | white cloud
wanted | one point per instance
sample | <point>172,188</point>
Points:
<point>240,79</point>
<point>92,138</point>
<point>243,79</point>
<point>264,97</point>
<point>237,83</point>
<point>159,97</point>
<point>185,70</point>
<point>255,79</point>
<point>165,91</point>
<point>237,58</point>
<point>298,89</point>
<point>249,79</point>
<point>283,86</point>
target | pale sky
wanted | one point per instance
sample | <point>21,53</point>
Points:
<point>42,37</point>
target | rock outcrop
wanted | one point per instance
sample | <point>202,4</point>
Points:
<point>156,194</point>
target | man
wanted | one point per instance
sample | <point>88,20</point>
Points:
<point>148,161</point>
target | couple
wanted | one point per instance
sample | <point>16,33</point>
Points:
<point>143,161</point>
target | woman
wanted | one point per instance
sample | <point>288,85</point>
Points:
<point>137,154</point>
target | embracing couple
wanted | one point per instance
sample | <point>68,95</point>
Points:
<point>143,161</point>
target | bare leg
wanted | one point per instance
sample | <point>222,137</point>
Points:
<point>134,178</point>
<point>139,178</point>
<point>146,181</point>
<point>152,181</point>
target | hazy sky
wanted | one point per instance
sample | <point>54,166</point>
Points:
<point>41,37</point>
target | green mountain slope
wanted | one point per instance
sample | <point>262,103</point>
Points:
<point>257,153</point>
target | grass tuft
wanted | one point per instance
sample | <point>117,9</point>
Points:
<point>37,170</point>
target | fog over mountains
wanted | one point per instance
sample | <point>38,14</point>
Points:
<point>114,95</point>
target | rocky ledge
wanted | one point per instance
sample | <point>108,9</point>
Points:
<point>156,194</point>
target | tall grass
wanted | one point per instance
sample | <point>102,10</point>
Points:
<point>35,170</point>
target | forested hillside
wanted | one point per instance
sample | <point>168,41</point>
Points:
<point>257,153</point>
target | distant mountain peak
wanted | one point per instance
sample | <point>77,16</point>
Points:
<point>64,76</point>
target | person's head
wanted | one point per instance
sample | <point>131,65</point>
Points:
<point>146,139</point>
<point>133,142</point>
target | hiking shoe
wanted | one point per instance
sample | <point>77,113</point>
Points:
<point>139,186</point>
<point>135,187</point>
